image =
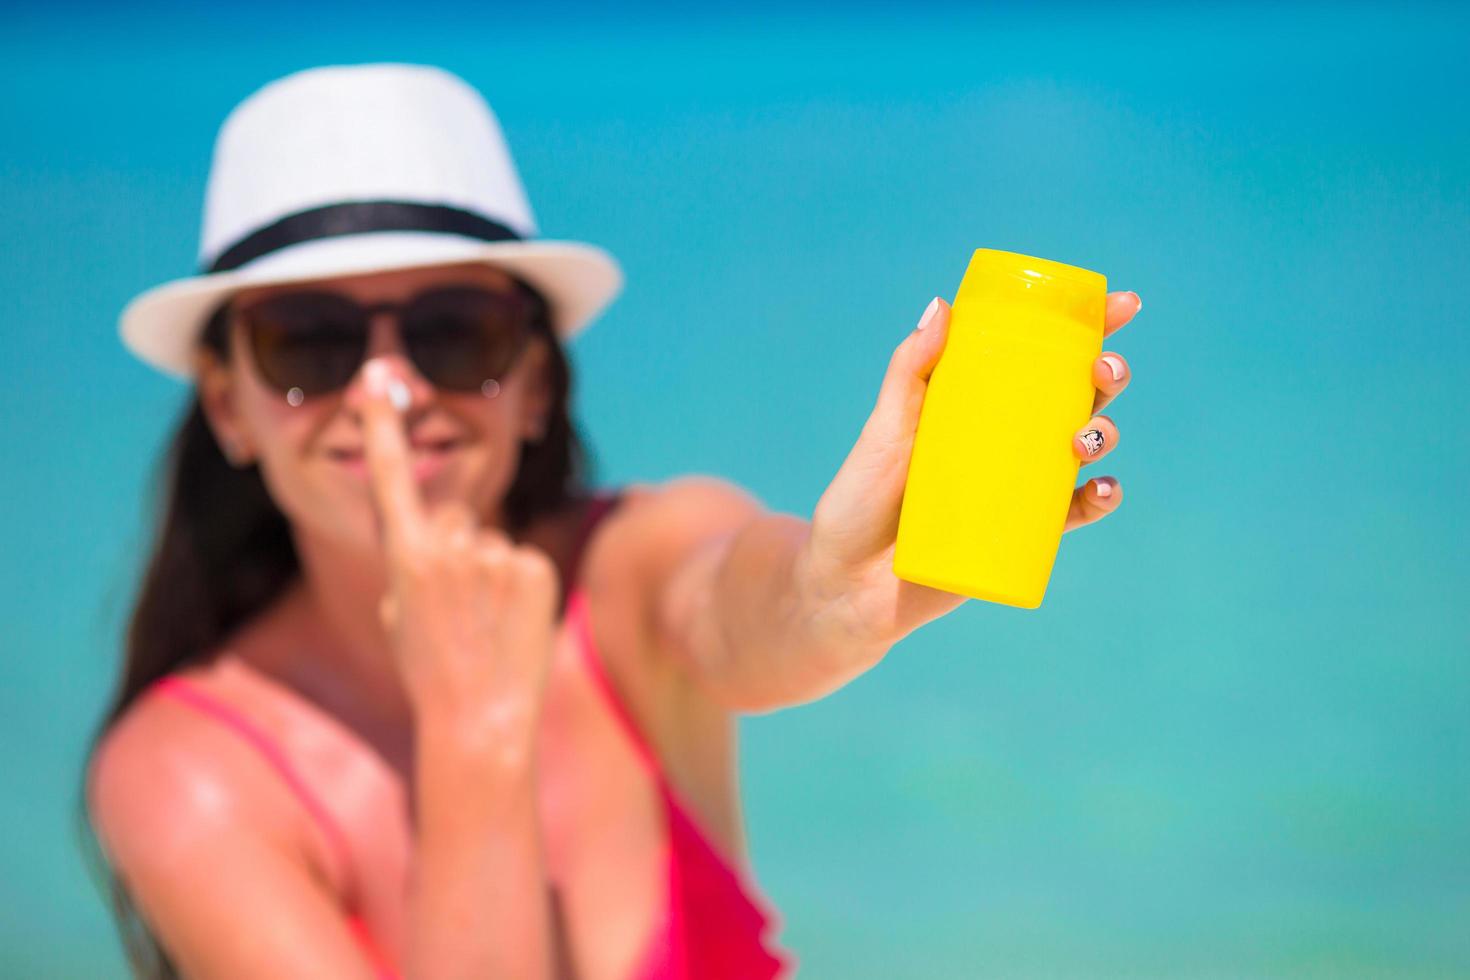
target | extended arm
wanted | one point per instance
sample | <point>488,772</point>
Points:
<point>738,603</point>
<point>768,609</point>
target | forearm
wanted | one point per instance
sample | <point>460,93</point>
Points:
<point>768,631</point>
<point>478,898</point>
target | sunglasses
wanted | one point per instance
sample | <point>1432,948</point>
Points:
<point>460,338</point>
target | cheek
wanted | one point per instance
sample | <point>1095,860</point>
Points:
<point>280,430</point>
<point>485,419</point>
<point>283,436</point>
<point>312,491</point>
<point>488,464</point>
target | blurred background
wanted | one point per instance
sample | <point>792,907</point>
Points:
<point>1235,739</point>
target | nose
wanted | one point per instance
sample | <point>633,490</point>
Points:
<point>385,346</point>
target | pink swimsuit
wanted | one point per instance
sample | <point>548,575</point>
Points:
<point>716,918</point>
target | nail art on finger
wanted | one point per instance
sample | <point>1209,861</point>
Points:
<point>1092,441</point>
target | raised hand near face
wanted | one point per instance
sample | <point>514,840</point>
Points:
<point>470,614</point>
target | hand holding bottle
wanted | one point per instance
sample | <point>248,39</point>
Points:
<point>849,555</point>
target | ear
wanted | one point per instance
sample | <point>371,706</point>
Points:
<point>215,383</point>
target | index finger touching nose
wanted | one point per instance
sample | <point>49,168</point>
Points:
<point>390,464</point>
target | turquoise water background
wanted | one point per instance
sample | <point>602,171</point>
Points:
<point>1235,739</point>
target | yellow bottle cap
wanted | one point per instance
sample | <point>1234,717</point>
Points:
<point>1069,289</point>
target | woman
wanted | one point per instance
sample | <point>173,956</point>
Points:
<point>403,696</point>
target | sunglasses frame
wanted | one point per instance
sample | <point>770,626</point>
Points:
<point>535,322</point>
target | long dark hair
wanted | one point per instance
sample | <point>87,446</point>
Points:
<point>223,552</point>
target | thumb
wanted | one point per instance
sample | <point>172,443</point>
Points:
<point>857,515</point>
<point>895,416</point>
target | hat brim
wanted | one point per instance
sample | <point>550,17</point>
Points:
<point>162,325</point>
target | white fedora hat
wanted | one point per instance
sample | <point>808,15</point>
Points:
<point>348,169</point>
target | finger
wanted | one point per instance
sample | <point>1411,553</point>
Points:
<point>1094,500</point>
<point>876,467</point>
<point>492,561</point>
<point>491,533</point>
<point>391,486</point>
<point>1095,440</point>
<point>454,522</point>
<point>895,414</point>
<point>1110,376</point>
<point>1121,307</point>
<point>538,575</point>
<point>388,611</point>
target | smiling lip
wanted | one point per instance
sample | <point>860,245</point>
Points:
<point>427,460</point>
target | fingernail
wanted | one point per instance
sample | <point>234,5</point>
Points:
<point>929,312</point>
<point>1115,365</point>
<point>1137,297</point>
<point>398,394</point>
<point>1092,442</point>
<point>375,377</point>
<point>1104,488</point>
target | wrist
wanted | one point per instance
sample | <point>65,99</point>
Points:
<point>830,616</point>
<point>497,737</point>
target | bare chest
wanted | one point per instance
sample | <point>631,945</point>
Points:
<point>602,821</point>
<point>604,835</point>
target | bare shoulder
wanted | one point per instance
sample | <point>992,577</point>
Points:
<point>660,527</point>
<point>684,512</point>
<point>165,786</point>
<point>197,839</point>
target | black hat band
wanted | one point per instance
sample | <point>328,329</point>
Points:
<point>354,217</point>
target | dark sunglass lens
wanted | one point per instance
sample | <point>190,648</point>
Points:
<point>311,341</point>
<point>460,337</point>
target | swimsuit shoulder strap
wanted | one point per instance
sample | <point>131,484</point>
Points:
<point>716,916</point>
<point>577,616</point>
<point>207,704</point>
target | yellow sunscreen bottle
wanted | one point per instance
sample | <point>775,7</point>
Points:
<point>992,470</point>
